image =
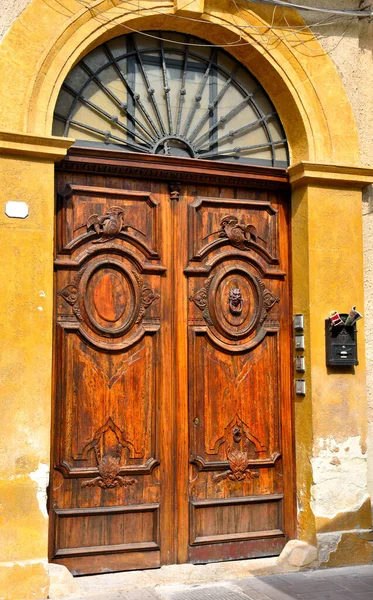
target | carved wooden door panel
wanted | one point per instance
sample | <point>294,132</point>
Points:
<point>240,486</point>
<point>172,420</point>
<point>111,384</point>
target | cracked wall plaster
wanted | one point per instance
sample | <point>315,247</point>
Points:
<point>41,477</point>
<point>327,543</point>
<point>339,477</point>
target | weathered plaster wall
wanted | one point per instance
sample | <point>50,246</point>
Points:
<point>331,417</point>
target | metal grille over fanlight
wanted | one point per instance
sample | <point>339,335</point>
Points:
<point>170,94</point>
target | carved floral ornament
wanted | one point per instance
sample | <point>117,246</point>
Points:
<point>108,459</point>
<point>147,296</point>
<point>237,445</point>
<point>70,293</point>
<point>238,464</point>
<point>109,468</point>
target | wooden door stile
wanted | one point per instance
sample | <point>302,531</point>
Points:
<point>167,366</point>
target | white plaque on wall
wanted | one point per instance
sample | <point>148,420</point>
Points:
<point>16,210</point>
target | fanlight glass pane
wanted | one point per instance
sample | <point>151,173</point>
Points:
<point>173,94</point>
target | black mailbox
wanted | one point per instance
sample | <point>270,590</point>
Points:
<point>341,344</point>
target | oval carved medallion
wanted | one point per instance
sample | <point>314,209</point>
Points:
<point>109,295</point>
<point>234,303</point>
<point>110,299</point>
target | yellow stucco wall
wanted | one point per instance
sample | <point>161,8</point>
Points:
<point>26,354</point>
<point>331,421</point>
<point>327,259</point>
<point>26,340</point>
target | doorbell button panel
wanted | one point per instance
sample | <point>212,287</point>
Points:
<point>300,364</point>
<point>298,322</point>
<point>299,342</point>
<point>300,387</point>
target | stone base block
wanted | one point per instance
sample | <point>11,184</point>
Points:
<point>298,555</point>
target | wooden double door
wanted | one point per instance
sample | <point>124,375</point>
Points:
<point>172,437</point>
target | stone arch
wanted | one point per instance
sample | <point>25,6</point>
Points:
<point>303,84</point>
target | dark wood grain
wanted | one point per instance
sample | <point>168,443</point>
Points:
<point>173,424</point>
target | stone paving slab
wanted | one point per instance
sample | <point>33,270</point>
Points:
<point>350,583</point>
<point>205,592</point>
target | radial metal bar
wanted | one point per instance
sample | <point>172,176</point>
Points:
<point>134,96</point>
<point>244,129</point>
<point>107,135</point>
<point>183,90</point>
<point>226,117</point>
<point>149,88</point>
<point>166,86</point>
<point>240,149</point>
<point>110,117</point>
<point>94,77</point>
<point>252,101</point>
<point>212,106</point>
<point>199,95</point>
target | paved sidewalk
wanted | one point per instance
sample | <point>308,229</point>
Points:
<point>349,583</point>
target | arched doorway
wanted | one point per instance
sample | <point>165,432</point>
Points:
<point>309,96</point>
<point>173,402</point>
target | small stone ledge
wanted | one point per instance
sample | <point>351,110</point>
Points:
<point>50,148</point>
<point>321,174</point>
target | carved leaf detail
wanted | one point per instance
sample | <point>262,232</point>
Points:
<point>200,299</point>
<point>77,313</point>
<point>238,458</point>
<point>70,293</point>
<point>147,296</point>
<point>108,464</point>
<point>269,300</point>
<point>107,225</point>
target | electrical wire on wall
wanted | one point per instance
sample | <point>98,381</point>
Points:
<point>267,34</point>
<point>362,13</point>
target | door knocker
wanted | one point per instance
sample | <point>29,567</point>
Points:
<point>235,301</point>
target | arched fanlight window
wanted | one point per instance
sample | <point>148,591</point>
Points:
<point>170,94</point>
